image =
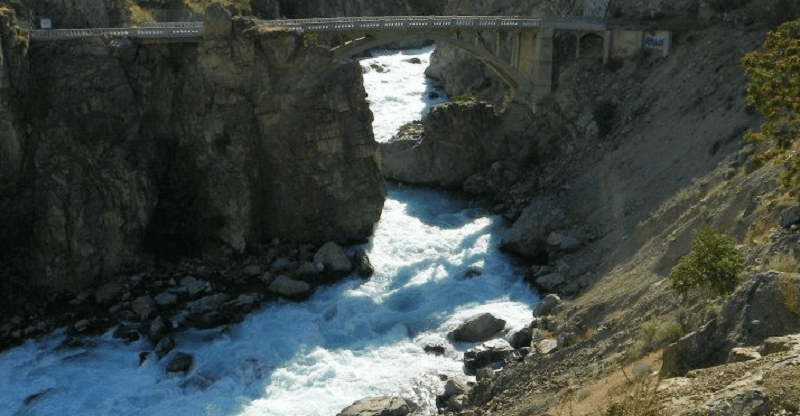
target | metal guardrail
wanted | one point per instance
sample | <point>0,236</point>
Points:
<point>171,30</point>
<point>194,30</point>
<point>436,22</point>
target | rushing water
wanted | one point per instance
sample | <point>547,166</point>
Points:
<point>351,340</point>
<point>397,89</point>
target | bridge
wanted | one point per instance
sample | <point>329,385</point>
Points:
<point>527,69</point>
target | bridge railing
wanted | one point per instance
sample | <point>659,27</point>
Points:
<point>175,30</point>
<point>434,22</point>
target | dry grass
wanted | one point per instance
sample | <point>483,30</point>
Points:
<point>782,262</point>
<point>790,293</point>
<point>140,15</point>
<point>619,393</point>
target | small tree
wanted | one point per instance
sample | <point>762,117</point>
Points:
<point>713,263</point>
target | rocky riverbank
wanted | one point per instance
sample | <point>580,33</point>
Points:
<point>189,294</point>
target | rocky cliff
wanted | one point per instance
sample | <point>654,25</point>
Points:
<point>117,150</point>
<point>298,9</point>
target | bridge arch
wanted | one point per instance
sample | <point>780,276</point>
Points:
<point>519,84</point>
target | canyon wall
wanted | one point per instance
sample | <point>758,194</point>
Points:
<point>299,9</point>
<point>117,152</point>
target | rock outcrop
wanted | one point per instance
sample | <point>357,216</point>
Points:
<point>767,306</point>
<point>456,141</point>
<point>82,13</point>
<point>119,149</point>
<point>298,9</point>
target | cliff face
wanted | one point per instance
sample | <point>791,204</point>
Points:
<point>298,9</point>
<point>130,149</point>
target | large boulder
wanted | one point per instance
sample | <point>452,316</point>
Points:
<point>495,351</point>
<point>380,406</point>
<point>479,328</point>
<point>333,259</point>
<point>290,288</point>
<point>766,306</point>
<point>528,235</point>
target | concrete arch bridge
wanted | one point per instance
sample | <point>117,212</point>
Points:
<point>527,69</point>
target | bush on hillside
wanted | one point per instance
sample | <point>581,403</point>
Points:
<point>774,90</point>
<point>774,83</point>
<point>714,263</point>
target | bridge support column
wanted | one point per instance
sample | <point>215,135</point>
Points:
<point>532,56</point>
<point>542,77</point>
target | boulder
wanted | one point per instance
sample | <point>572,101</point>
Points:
<point>522,338</point>
<point>546,346</point>
<point>333,259</point>
<point>484,374</point>
<point>143,307</point>
<point>778,344</point>
<point>165,299</point>
<point>158,329</point>
<point>108,293</point>
<point>478,328</point>
<point>126,332</point>
<point>528,236</point>
<point>548,306</point>
<point>82,325</point>
<point>252,270</point>
<point>741,354</point>
<point>210,303</point>
<point>435,349</point>
<point>363,265</point>
<point>551,282</point>
<point>790,216</point>
<point>380,406</point>
<point>496,351</point>
<point>455,387</point>
<point>766,306</point>
<point>290,288</point>
<point>165,346</point>
<point>746,403</point>
<point>179,363</point>
<point>191,286</point>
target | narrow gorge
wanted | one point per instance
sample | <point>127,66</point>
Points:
<point>246,223</point>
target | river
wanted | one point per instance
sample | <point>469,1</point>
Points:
<point>351,340</point>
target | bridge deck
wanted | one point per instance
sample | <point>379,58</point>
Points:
<point>389,23</point>
<point>191,31</point>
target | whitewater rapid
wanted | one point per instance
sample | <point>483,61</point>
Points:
<point>351,340</point>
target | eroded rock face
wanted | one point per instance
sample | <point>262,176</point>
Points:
<point>767,306</point>
<point>528,235</point>
<point>83,13</point>
<point>192,149</point>
<point>297,9</point>
<point>456,141</point>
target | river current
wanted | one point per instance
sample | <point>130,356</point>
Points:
<point>351,340</point>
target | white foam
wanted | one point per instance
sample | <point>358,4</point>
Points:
<point>401,93</point>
